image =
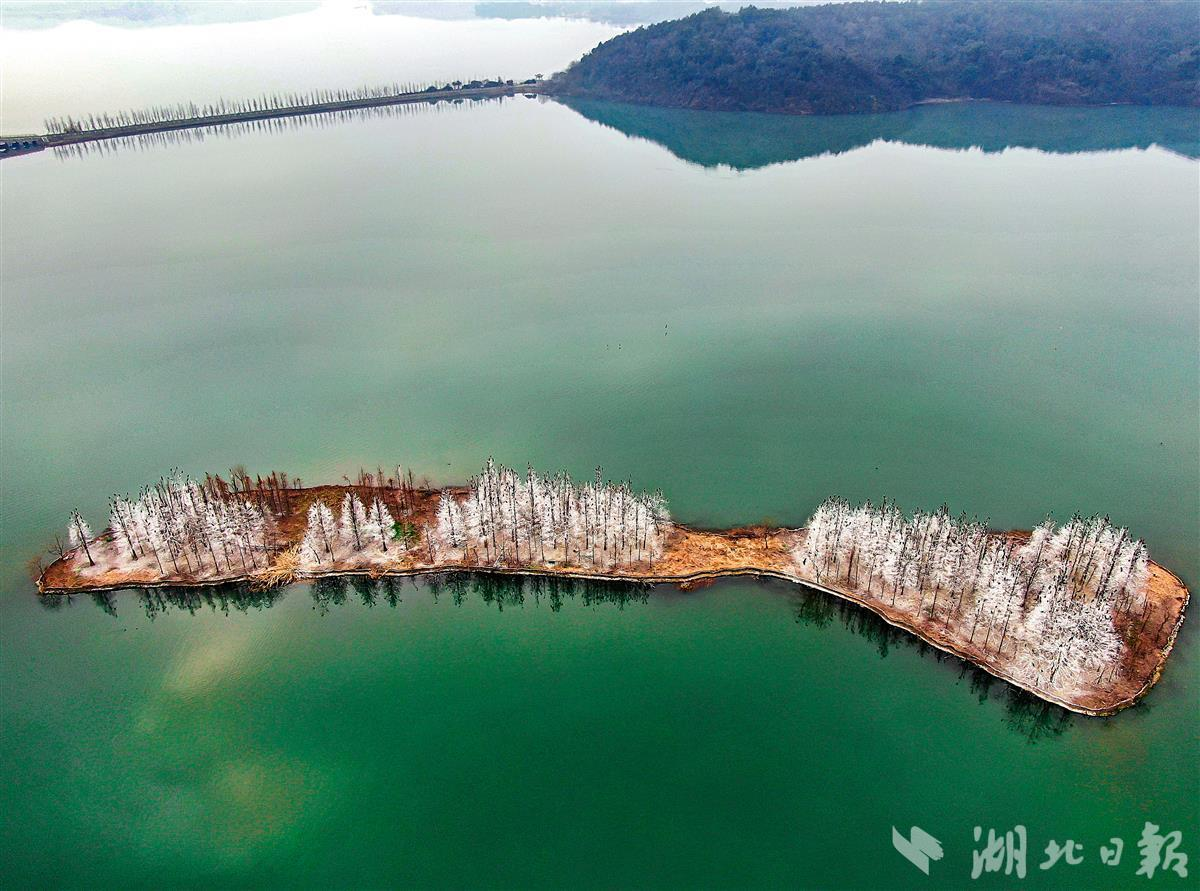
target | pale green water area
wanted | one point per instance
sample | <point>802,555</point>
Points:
<point>751,313</point>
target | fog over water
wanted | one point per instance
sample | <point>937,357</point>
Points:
<point>84,67</point>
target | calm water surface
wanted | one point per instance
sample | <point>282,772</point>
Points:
<point>1013,332</point>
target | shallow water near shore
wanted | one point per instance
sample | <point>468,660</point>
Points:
<point>1011,332</point>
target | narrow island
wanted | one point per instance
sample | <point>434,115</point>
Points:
<point>160,119</point>
<point>1077,615</point>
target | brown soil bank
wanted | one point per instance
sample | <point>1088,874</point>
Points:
<point>690,556</point>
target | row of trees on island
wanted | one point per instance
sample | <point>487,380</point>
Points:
<point>215,527</point>
<point>436,103</point>
<point>1051,600</point>
<point>503,518</point>
<point>358,528</point>
<point>185,527</point>
<point>265,104</point>
<point>533,518</point>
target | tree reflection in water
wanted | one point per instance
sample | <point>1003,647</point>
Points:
<point>1025,714</point>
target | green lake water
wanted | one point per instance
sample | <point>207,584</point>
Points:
<point>750,313</point>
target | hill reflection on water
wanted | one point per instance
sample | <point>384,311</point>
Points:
<point>746,141</point>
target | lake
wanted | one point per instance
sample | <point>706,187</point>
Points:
<point>993,307</point>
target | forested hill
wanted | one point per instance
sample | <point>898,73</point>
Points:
<point>862,57</point>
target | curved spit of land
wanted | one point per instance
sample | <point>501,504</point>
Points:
<point>686,557</point>
<point>18,145</point>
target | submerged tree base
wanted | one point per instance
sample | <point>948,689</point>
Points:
<point>688,557</point>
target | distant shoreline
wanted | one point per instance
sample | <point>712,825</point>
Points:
<point>552,93</point>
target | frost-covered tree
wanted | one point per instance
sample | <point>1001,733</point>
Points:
<point>79,534</point>
<point>379,524</point>
<point>320,533</point>
<point>352,521</point>
<point>121,522</point>
<point>451,524</point>
<point>475,521</point>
